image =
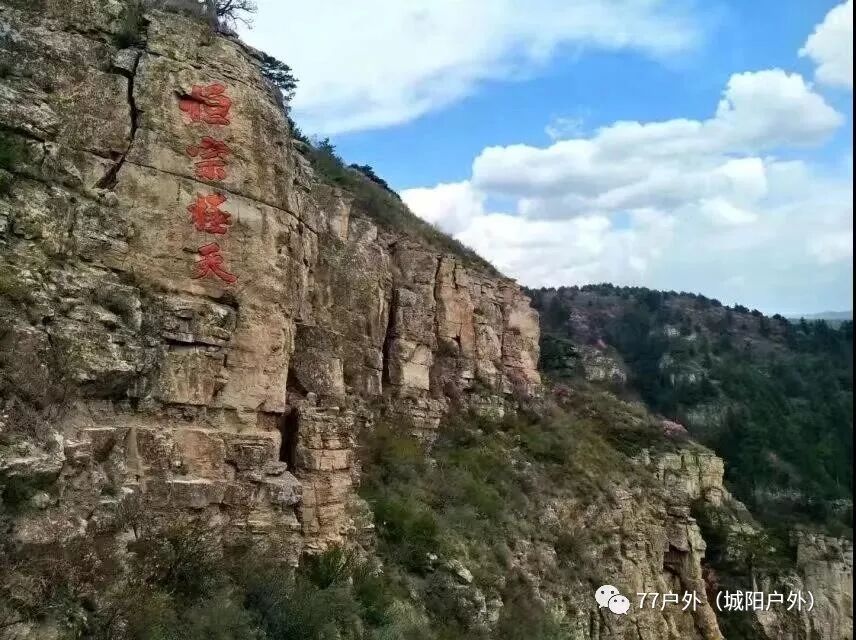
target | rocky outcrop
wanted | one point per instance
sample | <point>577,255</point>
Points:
<point>689,474</point>
<point>826,566</point>
<point>640,538</point>
<point>234,321</point>
<point>821,572</point>
<point>824,578</point>
<point>645,541</point>
<point>601,367</point>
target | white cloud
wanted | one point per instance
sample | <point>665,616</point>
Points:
<point>452,205</point>
<point>763,109</point>
<point>561,252</point>
<point>792,250</point>
<point>722,212</point>
<point>709,165</point>
<point>829,248</point>
<point>626,162</point>
<point>684,204</point>
<point>830,46</point>
<point>746,178</point>
<point>564,127</point>
<point>376,63</point>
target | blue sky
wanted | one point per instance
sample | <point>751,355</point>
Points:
<point>598,87</point>
<point>506,124</point>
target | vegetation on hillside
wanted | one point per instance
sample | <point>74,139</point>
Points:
<point>772,397</point>
<point>374,199</point>
<point>280,76</point>
<point>480,500</point>
<point>12,153</point>
<point>451,528</point>
<point>173,582</point>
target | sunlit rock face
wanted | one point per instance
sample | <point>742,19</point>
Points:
<point>228,320</point>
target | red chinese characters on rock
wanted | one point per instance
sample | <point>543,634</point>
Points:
<point>207,215</point>
<point>211,262</point>
<point>208,103</point>
<point>211,154</point>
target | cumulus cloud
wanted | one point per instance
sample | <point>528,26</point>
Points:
<point>710,166</point>
<point>559,252</point>
<point>789,251</point>
<point>830,47</point>
<point>375,63</point>
<point>770,108</point>
<point>450,205</point>
<point>701,205</point>
<point>627,161</point>
<point>722,212</point>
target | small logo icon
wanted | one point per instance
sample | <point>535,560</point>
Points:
<point>604,593</point>
<point>619,605</point>
<point>608,596</point>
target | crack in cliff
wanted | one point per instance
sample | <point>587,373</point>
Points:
<point>388,338</point>
<point>44,142</point>
<point>389,333</point>
<point>72,224</point>
<point>436,293</point>
<point>109,179</point>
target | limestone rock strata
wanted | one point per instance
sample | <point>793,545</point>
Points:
<point>641,539</point>
<point>243,399</point>
<point>825,570</point>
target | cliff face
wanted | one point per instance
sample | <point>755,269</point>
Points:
<point>648,541</point>
<point>224,318</point>
<point>824,569</point>
<point>192,319</point>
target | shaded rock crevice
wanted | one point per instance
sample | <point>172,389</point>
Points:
<point>389,335</point>
<point>126,64</point>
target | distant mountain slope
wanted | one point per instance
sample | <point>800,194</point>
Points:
<point>772,397</point>
<point>832,318</point>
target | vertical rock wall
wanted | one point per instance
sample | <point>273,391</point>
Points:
<point>233,319</point>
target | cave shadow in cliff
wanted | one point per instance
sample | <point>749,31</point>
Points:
<point>673,561</point>
<point>289,422</point>
<point>289,427</point>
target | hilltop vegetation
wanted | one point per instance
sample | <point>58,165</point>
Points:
<point>832,318</point>
<point>772,397</point>
<point>373,197</point>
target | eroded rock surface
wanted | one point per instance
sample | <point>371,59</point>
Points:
<point>239,398</point>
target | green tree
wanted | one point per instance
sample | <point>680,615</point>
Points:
<point>280,75</point>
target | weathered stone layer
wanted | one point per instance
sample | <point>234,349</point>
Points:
<point>188,387</point>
